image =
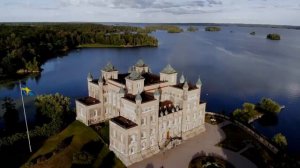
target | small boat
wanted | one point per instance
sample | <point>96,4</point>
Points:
<point>282,107</point>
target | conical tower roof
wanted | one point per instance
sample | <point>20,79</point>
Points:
<point>182,79</point>
<point>199,81</point>
<point>134,75</point>
<point>140,63</point>
<point>168,70</point>
<point>185,85</point>
<point>90,76</point>
<point>109,67</point>
<point>138,97</point>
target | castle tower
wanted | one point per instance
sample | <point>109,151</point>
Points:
<point>169,74</point>
<point>141,67</point>
<point>182,79</point>
<point>89,77</point>
<point>199,83</point>
<point>109,72</point>
<point>135,83</point>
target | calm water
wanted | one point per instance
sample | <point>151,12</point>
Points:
<point>235,67</point>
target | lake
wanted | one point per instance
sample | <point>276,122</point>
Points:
<point>234,67</point>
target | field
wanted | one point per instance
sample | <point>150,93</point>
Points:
<point>76,146</point>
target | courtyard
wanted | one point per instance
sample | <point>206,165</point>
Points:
<point>205,143</point>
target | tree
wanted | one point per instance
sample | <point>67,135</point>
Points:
<point>11,114</point>
<point>280,140</point>
<point>269,105</point>
<point>53,106</point>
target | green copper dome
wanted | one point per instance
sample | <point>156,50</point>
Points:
<point>168,70</point>
<point>109,67</point>
<point>140,63</point>
<point>135,76</point>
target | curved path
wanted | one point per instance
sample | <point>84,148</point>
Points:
<point>180,156</point>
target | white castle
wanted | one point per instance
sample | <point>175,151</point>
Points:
<point>146,112</point>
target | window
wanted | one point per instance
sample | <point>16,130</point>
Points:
<point>143,145</point>
<point>132,150</point>
<point>152,131</point>
<point>81,112</point>
<point>143,135</point>
<point>114,133</point>
<point>143,121</point>
<point>151,118</point>
<point>132,138</point>
<point>152,142</point>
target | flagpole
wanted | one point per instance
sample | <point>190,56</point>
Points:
<point>25,117</point>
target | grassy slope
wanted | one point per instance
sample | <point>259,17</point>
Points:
<point>81,136</point>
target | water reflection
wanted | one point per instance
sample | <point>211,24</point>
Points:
<point>234,68</point>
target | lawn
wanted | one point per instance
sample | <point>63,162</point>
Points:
<point>236,138</point>
<point>209,162</point>
<point>76,141</point>
<point>258,155</point>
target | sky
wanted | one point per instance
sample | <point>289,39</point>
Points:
<point>278,12</point>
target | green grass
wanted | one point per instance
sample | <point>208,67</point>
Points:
<point>236,138</point>
<point>209,161</point>
<point>258,155</point>
<point>82,136</point>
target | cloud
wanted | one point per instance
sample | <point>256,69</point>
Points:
<point>224,11</point>
<point>142,4</point>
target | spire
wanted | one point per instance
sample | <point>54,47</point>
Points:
<point>138,97</point>
<point>100,80</point>
<point>185,85</point>
<point>156,94</point>
<point>199,83</point>
<point>182,79</point>
<point>90,77</point>
<point>168,70</point>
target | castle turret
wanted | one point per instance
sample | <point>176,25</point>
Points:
<point>141,67</point>
<point>169,74</point>
<point>135,82</point>
<point>138,98</point>
<point>156,94</point>
<point>185,90</point>
<point>109,72</point>
<point>100,81</point>
<point>182,79</point>
<point>199,83</point>
<point>90,77</point>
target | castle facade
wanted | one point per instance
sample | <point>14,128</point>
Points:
<point>146,112</point>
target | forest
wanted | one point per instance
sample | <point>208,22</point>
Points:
<point>24,47</point>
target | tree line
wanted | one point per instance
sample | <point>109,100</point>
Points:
<point>25,47</point>
<point>53,113</point>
